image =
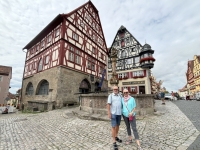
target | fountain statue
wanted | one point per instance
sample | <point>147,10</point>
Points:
<point>114,80</point>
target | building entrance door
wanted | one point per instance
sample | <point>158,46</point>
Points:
<point>141,89</point>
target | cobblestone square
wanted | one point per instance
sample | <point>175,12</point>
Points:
<point>61,130</point>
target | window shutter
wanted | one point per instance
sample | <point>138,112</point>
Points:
<point>129,89</point>
<point>144,73</point>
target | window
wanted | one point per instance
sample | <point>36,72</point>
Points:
<point>30,67</point>
<point>44,88</point>
<point>121,35</point>
<point>34,65</point>
<point>91,63</point>
<point>42,43</point>
<point>93,50</point>
<point>82,24</point>
<point>123,54</point>
<point>133,89</point>
<point>138,73</point>
<point>127,40</point>
<point>40,65</point>
<point>129,61</point>
<point>57,32</point>
<point>49,39</point>
<point>120,75</point>
<point>1,78</point>
<point>71,53</point>
<point>47,59</point>
<point>102,56</point>
<point>136,59</point>
<point>78,57</point>
<point>29,89</point>
<point>109,65</point>
<point>75,36</point>
<point>38,47</point>
<point>122,43</point>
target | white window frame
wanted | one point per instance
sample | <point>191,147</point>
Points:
<point>75,36</point>
<point>57,32</point>
<point>47,59</point>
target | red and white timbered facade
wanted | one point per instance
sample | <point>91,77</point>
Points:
<point>74,42</point>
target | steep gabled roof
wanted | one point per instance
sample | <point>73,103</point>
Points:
<point>55,22</point>
<point>123,28</point>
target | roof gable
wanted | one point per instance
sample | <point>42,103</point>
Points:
<point>87,16</point>
<point>119,33</point>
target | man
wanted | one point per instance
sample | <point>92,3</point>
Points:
<point>114,106</point>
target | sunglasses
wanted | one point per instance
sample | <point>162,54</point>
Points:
<point>125,92</point>
<point>115,89</point>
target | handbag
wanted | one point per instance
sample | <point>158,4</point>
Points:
<point>129,117</point>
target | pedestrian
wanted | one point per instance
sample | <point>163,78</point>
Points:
<point>22,107</point>
<point>114,106</point>
<point>129,115</point>
<point>162,95</point>
<point>172,94</point>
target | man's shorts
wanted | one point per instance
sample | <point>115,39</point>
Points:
<point>115,120</point>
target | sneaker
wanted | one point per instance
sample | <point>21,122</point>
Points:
<point>118,140</point>
<point>115,146</point>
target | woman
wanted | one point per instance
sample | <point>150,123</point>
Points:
<point>128,112</point>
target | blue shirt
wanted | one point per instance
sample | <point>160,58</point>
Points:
<point>131,104</point>
<point>115,104</point>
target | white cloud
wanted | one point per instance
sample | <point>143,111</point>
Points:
<point>170,27</point>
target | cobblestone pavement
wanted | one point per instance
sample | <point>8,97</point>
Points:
<point>60,130</point>
<point>192,110</point>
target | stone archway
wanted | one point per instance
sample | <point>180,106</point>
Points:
<point>85,86</point>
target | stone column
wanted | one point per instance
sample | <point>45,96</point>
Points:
<point>114,80</point>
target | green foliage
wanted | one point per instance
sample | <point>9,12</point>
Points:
<point>166,92</point>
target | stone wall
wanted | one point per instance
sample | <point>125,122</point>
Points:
<point>63,86</point>
<point>97,103</point>
<point>51,75</point>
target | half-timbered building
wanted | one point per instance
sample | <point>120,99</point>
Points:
<point>133,63</point>
<point>190,78</point>
<point>65,58</point>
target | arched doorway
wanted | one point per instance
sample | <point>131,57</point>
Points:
<point>85,86</point>
<point>97,88</point>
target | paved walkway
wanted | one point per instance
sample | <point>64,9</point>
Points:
<point>192,110</point>
<point>61,130</point>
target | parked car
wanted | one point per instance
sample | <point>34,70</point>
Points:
<point>168,96</point>
<point>197,96</point>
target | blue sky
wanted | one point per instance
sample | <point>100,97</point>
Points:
<point>171,27</point>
